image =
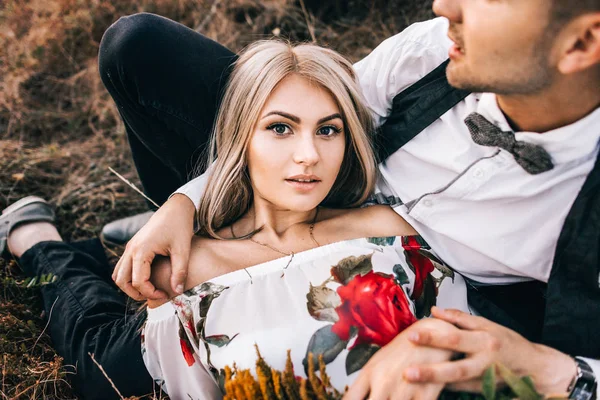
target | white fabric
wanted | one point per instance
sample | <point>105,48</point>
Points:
<point>267,305</point>
<point>490,221</point>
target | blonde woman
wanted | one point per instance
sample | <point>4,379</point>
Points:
<point>284,259</point>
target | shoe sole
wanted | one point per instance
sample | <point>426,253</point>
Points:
<point>22,203</point>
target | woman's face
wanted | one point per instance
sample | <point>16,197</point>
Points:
<point>297,147</point>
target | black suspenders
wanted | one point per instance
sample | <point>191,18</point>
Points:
<point>415,108</point>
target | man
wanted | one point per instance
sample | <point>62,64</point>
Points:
<point>501,212</point>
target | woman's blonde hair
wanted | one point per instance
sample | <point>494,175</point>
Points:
<point>259,69</point>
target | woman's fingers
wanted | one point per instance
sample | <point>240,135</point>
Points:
<point>450,371</point>
<point>359,390</point>
<point>467,342</point>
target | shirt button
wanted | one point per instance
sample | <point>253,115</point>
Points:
<point>427,203</point>
<point>478,173</point>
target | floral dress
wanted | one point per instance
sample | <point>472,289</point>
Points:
<point>344,300</point>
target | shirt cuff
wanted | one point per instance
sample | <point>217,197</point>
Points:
<point>595,366</point>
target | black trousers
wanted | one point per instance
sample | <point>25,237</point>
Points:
<point>167,82</point>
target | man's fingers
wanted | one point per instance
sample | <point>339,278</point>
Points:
<point>123,279</point>
<point>141,280</point>
<point>359,390</point>
<point>458,341</point>
<point>461,319</point>
<point>448,372</point>
<point>149,291</point>
<point>179,268</point>
<point>472,386</point>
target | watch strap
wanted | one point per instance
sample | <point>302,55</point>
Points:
<point>584,383</point>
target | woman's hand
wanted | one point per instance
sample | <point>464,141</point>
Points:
<point>484,343</point>
<point>169,233</point>
<point>382,377</point>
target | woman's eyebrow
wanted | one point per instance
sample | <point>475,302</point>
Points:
<point>297,120</point>
<point>329,118</point>
<point>283,114</point>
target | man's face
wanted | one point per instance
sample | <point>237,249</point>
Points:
<point>501,46</point>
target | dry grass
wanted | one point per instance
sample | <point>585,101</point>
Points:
<point>59,130</point>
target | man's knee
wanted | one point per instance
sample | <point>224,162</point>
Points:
<point>128,43</point>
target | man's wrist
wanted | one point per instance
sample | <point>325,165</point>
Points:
<point>556,371</point>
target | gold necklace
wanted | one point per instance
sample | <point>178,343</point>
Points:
<point>311,229</point>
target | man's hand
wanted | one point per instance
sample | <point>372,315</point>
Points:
<point>485,343</point>
<point>169,233</point>
<point>381,378</point>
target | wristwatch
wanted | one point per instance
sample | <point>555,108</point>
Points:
<point>584,384</point>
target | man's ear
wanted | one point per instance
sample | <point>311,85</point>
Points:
<point>581,44</point>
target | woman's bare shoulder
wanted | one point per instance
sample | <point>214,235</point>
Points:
<point>201,249</point>
<point>372,221</point>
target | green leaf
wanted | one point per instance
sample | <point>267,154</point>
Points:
<point>359,355</point>
<point>522,388</point>
<point>349,267</point>
<point>324,341</point>
<point>489,383</point>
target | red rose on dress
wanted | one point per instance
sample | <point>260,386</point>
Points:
<point>376,305</point>
<point>422,265</point>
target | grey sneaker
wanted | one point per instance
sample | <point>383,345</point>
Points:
<point>122,230</point>
<point>28,209</point>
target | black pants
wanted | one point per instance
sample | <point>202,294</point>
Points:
<point>167,81</point>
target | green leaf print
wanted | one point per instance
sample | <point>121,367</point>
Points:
<point>382,241</point>
<point>325,342</point>
<point>219,340</point>
<point>400,274</point>
<point>359,355</point>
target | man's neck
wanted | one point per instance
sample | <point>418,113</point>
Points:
<point>560,105</point>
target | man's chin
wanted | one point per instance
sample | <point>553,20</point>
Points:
<point>460,78</point>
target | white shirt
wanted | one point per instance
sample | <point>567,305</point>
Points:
<point>478,209</point>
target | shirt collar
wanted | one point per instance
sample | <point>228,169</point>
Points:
<point>568,143</point>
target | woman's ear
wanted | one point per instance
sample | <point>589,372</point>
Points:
<point>581,44</point>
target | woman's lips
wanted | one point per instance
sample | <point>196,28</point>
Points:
<point>302,186</point>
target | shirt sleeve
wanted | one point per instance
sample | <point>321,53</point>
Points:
<point>400,61</point>
<point>164,359</point>
<point>194,189</point>
<point>595,366</point>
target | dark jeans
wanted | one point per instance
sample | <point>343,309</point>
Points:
<point>167,81</point>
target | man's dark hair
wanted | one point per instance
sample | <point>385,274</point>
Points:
<point>563,11</point>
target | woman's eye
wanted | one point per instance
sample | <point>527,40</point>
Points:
<point>329,131</point>
<point>279,129</point>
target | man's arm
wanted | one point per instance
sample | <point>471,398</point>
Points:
<point>168,233</point>
<point>485,343</point>
<point>400,61</point>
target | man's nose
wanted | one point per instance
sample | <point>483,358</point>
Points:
<point>451,9</point>
<point>306,151</point>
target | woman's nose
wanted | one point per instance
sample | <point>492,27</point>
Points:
<point>306,151</point>
<point>451,9</point>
